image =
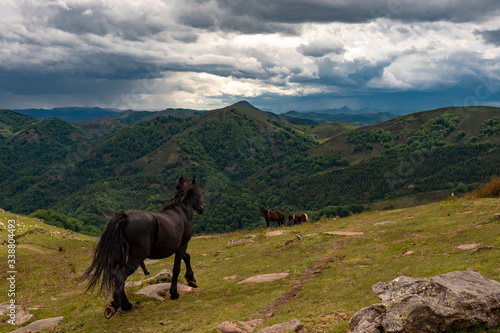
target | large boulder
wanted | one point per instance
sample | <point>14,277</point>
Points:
<point>461,298</point>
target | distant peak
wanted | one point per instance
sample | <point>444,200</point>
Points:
<point>345,108</point>
<point>246,104</point>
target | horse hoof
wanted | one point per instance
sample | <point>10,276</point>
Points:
<point>192,284</point>
<point>174,296</point>
<point>109,312</point>
<point>127,307</point>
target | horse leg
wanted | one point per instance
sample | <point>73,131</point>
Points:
<point>119,298</point>
<point>177,269</point>
<point>143,266</point>
<point>189,271</point>
<point>267,221</point>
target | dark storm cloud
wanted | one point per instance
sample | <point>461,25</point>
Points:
<point>264,50</point>
<point>263,16</point>
<point>490,36</point>
<point>319,49</point>
<point>95,19</point>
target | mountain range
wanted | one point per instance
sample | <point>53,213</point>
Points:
<point>243,158</point>
<point>361,117</point>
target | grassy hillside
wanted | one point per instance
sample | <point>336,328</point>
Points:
<point>330,275</point>
<point>401,129</point>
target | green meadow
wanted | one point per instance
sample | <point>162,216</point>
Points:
<point>329,275</point>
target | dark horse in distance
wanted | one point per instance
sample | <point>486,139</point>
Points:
<point>273,215</point>
<point>298,218</point>
<point>134,235</point>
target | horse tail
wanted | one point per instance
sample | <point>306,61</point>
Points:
<point>307,218</point>
<point>110,255</point>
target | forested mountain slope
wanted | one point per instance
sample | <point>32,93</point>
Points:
<point>243,158</point>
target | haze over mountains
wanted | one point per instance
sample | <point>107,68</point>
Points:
<point>243,158</point>
<point>361,117</point>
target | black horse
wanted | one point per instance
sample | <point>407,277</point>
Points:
<point>134,235</point>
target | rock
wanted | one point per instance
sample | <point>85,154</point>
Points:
<point>238,326</point>
<point>232,277</point>
<point>235,242</point>
<point>40,325</point>
<point>264,278</point>
<point>158,290</point>
<point>4,310</point>
<point>463,298</point>
<point>23,317</point>
<point>228,327</point>
<point>291,326</point>
<point>275,233</point>
<point>164,276</point>
<point>386,222</point>
<point>251,324</point>
<point>496,217</point>
<point>131,284</point>
<point>343,233</point>
<point>468,246</point>
<point>150,261</point>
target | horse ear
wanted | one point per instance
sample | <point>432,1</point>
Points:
<point>180,182</point>
<point>193,182</point>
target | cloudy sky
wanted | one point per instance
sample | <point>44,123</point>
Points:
<point>279,55</point>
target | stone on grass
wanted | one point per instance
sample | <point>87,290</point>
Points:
<point>275,233</point>
<point>264,278</point>
<point>291,326</point>
<point>23,317</point>
<point>233,242</point>
<point>160,290</point>
<point>468,246</point>
<point>343,233</point>
<point>164,276</point>
<point>462,298</point>
<point>238,326</point>
<point>39,325</point>
<point>386,223</point>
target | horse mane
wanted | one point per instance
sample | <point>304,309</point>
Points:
<point>184,188</point>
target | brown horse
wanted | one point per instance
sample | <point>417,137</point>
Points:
<point>273,215</point>
<point>298,218</point>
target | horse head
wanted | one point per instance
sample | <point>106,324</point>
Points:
<point>189,195</point>
<point>198,204</point>
<point>263,211</point>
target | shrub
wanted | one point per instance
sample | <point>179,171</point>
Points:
<point>459,136</point>
<point>489,190</point>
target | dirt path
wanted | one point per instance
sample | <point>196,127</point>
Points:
<point>297,286</point>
